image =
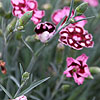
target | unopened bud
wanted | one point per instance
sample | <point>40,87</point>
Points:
<point>72,20</point>
<point>11,26</point>
<point>95,70</point>
<point>8,15</point>
<point>18,35</point>
<point>25,18</point>
<point>20,28</point>
<point>59,53</point>
<point>2,12</point>
<point>47,6</point>
<point>0,32</point>
<point>81,9</point>
<point>90,77</point>
<point>65,87</point>
<point>25,76</point>
<point>30,38</point>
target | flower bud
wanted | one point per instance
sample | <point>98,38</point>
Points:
<point>8,15</point>
<point>0,32</point>
<point>25,76</point>
<point>72,20</point>
<point>59,53</point>
<point>2,12</point>
<point>30,38</point>
<point>25,18</point>
<point>90,77</point>
<point>81,9</point>
<point>65,87</point>
<point>11,26</point>
<point>95,70</point>
<point>18,35</point>
<point>20,28</point>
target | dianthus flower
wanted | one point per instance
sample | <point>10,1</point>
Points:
<point>2,65</point>
<point>77,68</point>
<point>22,6</point>
<point>58,15</point>
<point>76,37</point>
<point>93,3</point>
<point>21,98</point>
<point>45,31</point>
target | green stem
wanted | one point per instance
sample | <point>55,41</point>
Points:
<point>27,46</point>
<point>34,57</point>
<point>71,8</point>
<point>84,19</point>
<point>18,91</point>
<point>57,86</point>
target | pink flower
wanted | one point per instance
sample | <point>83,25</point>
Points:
<point>76,37</point>
<point>45,31</point>
<point>77,68</point>
<point>21,98</point>
<point>59,14</point>
<point>93,3</point>
<point>22,6</point>
<point>2,65</point>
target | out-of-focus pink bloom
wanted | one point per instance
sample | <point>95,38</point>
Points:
<point>58,15</point>
<point>77,68</point>
<point>2,65</point>
<point>76,37</point>
<point>21,98</point>
<point>45,31</point>
<point>93,3</point>
<point>22,6</point>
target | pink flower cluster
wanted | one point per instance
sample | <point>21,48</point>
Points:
<point>58,15</point>
<point>21,98</point>
<point>22,6</point>
<point>77,68</point>
<point>93,3</point>
<point>73,35</point>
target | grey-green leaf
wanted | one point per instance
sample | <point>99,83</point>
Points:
<point>7,93</point>
<point>32,86</point>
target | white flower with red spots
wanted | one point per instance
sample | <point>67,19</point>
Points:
<point>76,37</point>
<point>22,6</point>
<point>45,31</point>
<point>21,98</point>
<point>77,68</point>
<point>58,15</point>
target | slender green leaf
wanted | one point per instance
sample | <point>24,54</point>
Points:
<point>15,80</point>
<point>32,86</point>
<point>21,68</point>
<point>85,19</point>
<point>27,46</point>
<point>7,93</point>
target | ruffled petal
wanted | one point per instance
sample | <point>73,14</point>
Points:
<point>83,58</point>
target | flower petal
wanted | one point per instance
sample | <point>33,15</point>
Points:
<point>70,60</point>
<point>78,80</point>
<point>83,58</point>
